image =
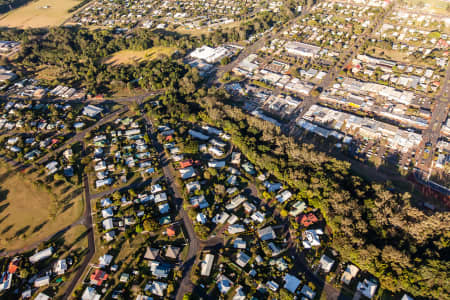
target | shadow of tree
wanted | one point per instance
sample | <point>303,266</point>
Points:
<point>22,231</point>
<point>4,218</point>
<point>39,227</point>
<point>8,228</point>
<point>3,207</point>
<point>3,195</point>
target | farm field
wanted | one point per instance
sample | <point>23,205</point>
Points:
<point>41,13</point>
<point>26,210</point>
<point>125,57</point>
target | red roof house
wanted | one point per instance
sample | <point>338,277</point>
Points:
<point>186,163</point>
<point>170,231</point>
<point>98,277</point>
<point>307,219</point>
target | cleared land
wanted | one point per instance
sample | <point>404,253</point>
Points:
<point>129,57</point>
<point>25,210</point>
<point>41,13</point>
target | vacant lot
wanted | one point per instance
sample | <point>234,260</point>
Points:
<point>25,210</point>
<point>40,13</point>
<point>129,57</point>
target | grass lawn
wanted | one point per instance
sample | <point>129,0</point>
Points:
<point>25,209</point>
<point>40,13</point>
<point>128,57</point>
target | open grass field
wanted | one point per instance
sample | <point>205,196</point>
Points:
<point>128,57</point>
<point>25,210</point>
<point>430,6</point>
<point>40,13</point>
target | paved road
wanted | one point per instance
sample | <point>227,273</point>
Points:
<point>87,222</point>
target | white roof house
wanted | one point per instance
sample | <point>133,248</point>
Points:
<point>206,265</point>
<point>326,263</point>
<point>42,281</point>
<point>41,255</point>
<point>90,294</point>
<point>60,266</point>
<point>105,260</point>
<point>242,259</point>
<point>92,111</point>
<point>266,233</point>
<point>42,296</point>
<point>156,288</point>
<point>350,272</point>
<point>187,172</point>
<point>367,288</point>
<point>108,224</point>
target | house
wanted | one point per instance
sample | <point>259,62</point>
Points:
<point>201,218</point>
<point>90,294</point>
<point>239,243</point>
<point>367,288</point>
<point>108,224</point>
<point>186,163</point>
<point>98,276</point>
<point>5,281</point>
<point>42,281</point>
<point>206,265</point>
<point>242,259</point>
<point>311,238</point>
<point>216,164</point>
<point>170,231</point>
<point>193,186</point>
<point>124,277</point>
<point>105,260</point>
<point>13,265</point>
<point>350,272</point>
<point>272,285</point>
<point>224,284</point>
<point>235,228</point>
<point>52,167</point>
<point>156,288</point>
<point>284,196</point>
<point>239,295</point>
<point>110,235</point>
<point>92,111</point>
<point>198,135</point>
<point>326,263</point>
<point>266,233</point>
<point>307,219</point>
<point>151,253</point>
<point>42,296</point>
<point>221,218</point>
<point>199,201</point>
<point>60,267</point>
<point>308,292</point>
<point>291,283</point>
<point>156,188</point>
<point>173,252</point>
<point>159,269</point>
<point>274,249</point>
<point>187,173</point>
<point>297,208</point>
<point>41,255</point>
<point>107,213</point>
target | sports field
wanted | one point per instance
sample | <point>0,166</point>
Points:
<point>40,13</point>
<point>25,210</point>
<point>128,57</point>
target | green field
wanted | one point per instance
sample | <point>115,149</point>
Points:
<point>40,13</point>
<point>26,210</point>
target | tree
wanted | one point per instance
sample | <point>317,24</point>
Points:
<point>151,225</point>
